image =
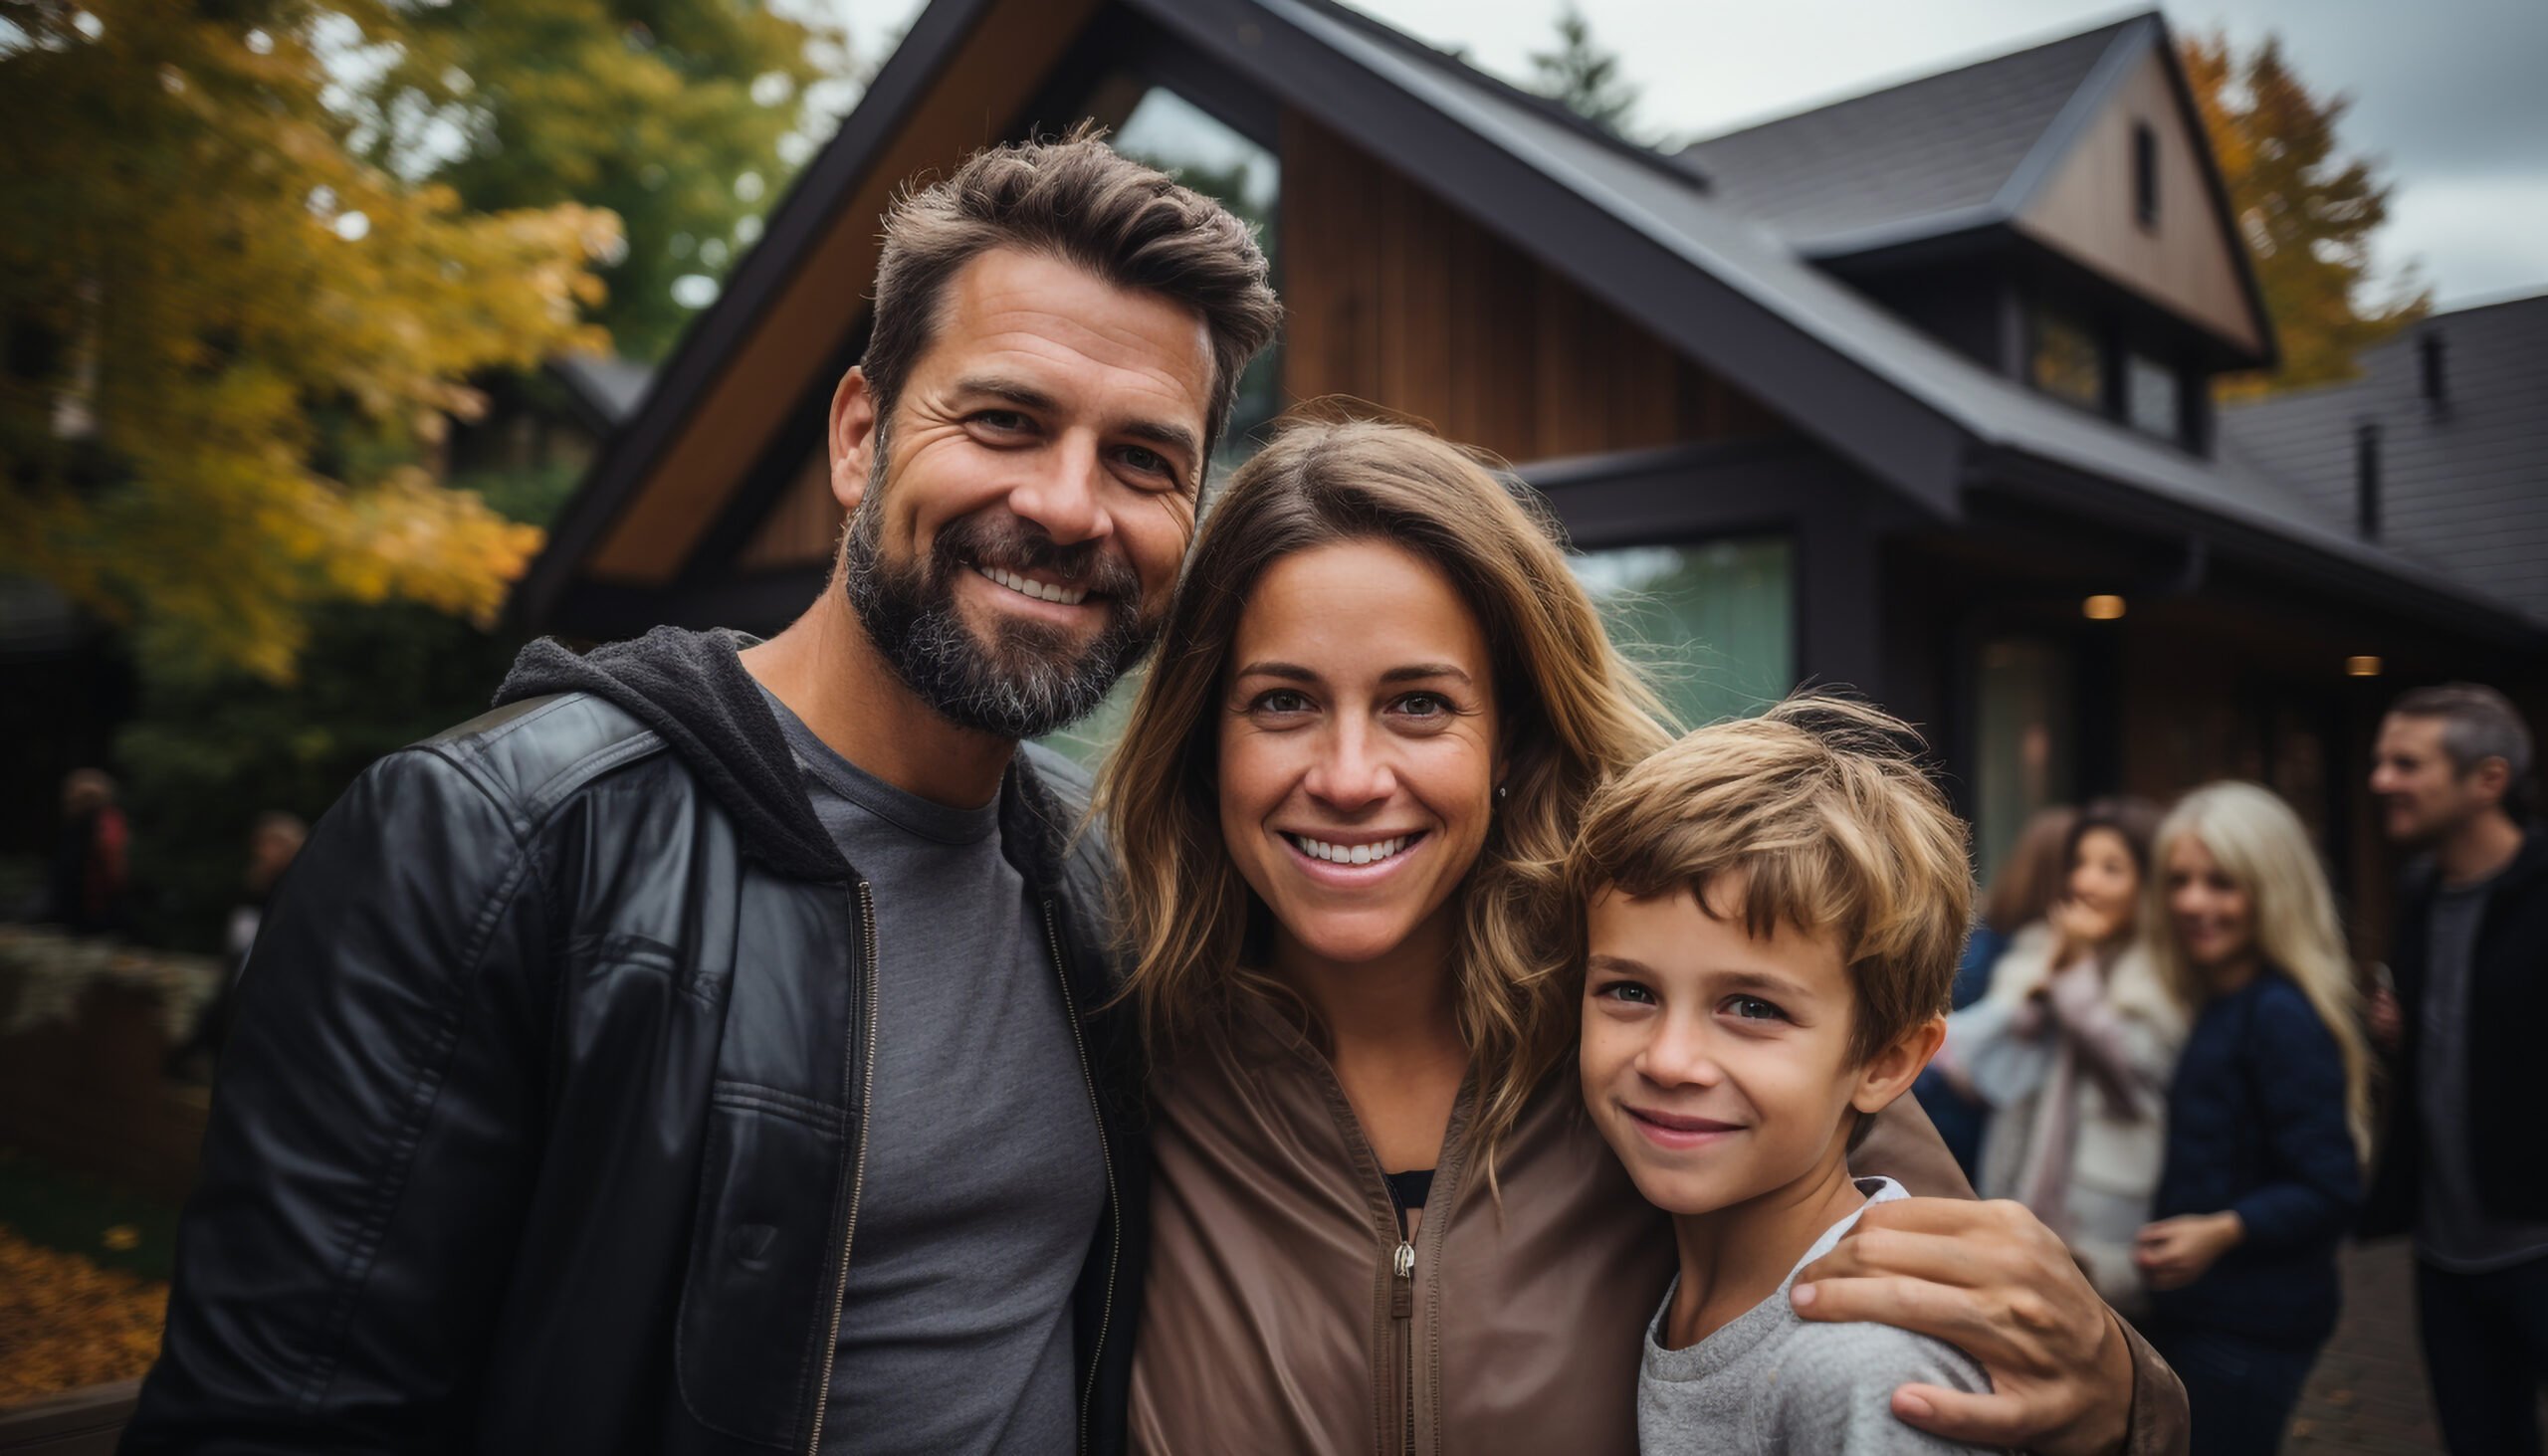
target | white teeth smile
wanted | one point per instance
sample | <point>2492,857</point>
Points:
<point>1350,854</point>
<point>1027,586</point>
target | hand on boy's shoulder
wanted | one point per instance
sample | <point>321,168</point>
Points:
<point>1834,1391</point>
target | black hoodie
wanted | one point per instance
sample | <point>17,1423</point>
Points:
<point>692,689</point>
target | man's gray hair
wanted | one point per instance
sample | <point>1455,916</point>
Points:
<point>2477,723</point>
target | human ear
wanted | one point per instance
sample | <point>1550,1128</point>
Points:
<point>851,437</point>
<point>1892,1070</point>
<point>2492,777</point>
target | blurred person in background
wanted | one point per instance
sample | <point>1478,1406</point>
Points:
<point>2072,1046</point>
<point>2460,1163</point>
<point>89,888</point>
<point>2030,878</point>
<point>2267,1117</point>
<point>272,841</point>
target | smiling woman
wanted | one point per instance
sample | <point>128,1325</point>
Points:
<point>1380,699</point>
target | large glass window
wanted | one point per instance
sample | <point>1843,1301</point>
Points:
<point>2024,759</point>
<point>1176,136</point>
<point>1715,623</point>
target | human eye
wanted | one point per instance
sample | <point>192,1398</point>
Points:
<point>1423,706</point>
<point>1754,1008</point>
<point>1626,992</point>
<point>1280,703</point>
<point>1141,460</point>
<point>1003,421</point>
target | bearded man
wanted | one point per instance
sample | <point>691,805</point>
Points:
<point>695,1054</point>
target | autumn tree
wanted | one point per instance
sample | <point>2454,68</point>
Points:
<point>682,117</point>
<point>2307,211</point>
<point>1584,76</point>
<point>229,342</point>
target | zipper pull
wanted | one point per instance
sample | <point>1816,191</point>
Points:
<point>1402,1290</point>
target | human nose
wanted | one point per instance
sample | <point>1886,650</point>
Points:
<point>1063,493</point>
<point>1679,1053</point>
<point>1352,770</point>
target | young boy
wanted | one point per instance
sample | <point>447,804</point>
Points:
<point>1774,911</point>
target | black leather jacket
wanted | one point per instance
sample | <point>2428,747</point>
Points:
<point>540,1131</point>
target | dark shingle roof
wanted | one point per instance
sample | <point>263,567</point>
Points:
<point>2463,489</point>
<point>1932,155</point>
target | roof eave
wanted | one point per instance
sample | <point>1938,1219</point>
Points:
<point>2412,593</point>
<point>794,227</point>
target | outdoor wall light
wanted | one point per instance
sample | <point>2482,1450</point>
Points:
<point>2102,608</point>
<point>2364,666</point>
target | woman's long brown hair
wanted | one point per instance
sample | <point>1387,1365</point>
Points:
<point>1571,711</point>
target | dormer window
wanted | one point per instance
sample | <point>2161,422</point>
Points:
<point>2145,174</point>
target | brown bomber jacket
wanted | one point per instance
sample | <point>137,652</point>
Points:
<point>1277,1322</point>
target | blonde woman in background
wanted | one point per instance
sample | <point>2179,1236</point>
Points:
<point>2268,1118</point>
<point>2073,1046</point>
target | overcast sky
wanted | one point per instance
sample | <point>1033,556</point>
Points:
<point>2451,96</point>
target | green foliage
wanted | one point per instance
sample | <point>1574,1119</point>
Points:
<point>2306,213</point>
<point>207,754</point>
<point>1584,75</point>
<point>680,117</point>
<point>231,341</point>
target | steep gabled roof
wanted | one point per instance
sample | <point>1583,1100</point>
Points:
<point>1641,235</point>
<point>2463,486</point>
<point>1710,279</point>
<point>2004,147</point>
<point>1940,154</point>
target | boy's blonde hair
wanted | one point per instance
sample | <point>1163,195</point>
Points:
<point>1821,807</point>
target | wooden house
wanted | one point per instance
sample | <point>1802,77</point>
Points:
<point>1908,392</point>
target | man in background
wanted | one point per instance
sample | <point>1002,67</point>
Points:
<point>2461,1166</point>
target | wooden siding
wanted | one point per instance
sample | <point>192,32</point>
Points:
<point>970,105</point>
<point>2086,210</point>
<point>1394,297</point>
<point>803,523</point>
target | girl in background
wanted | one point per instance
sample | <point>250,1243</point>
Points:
<point>2021,894</point>
<point>2073,1046</point>
<point>2267,1119</point>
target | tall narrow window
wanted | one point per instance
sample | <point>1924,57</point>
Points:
<point>2023,760</point>
<point>1176,136</point>
<point>2145,174</point>
<point>2152,400</point>
<point>2064,358</point>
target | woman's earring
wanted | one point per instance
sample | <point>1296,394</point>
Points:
<point>1503,791</point>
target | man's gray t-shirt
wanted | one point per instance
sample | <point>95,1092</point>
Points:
<point>1772,1381</point>
<point>985,1181</point>
<point>2452,1230</point>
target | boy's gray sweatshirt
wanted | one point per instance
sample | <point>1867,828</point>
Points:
<point>1772,1381</point>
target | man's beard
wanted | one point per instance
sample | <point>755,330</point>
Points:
<point>1030,679</point>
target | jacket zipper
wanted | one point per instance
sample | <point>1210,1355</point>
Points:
<point>1402,1319</point>
<point>1106,1157</point>
<point>856,1171</point>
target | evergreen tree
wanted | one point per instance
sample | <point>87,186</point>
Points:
<point>1584,76</point>
<point>2306,212</point>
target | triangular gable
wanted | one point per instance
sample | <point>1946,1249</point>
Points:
<point>1926,158</point>
<point>2083,200</point>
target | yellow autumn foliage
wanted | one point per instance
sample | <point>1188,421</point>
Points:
<point>232,346</point>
